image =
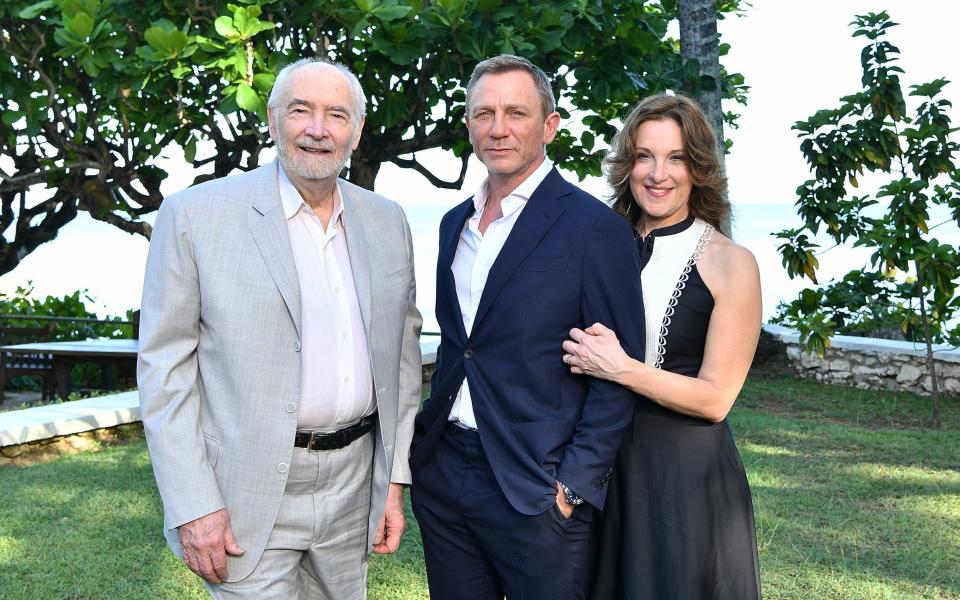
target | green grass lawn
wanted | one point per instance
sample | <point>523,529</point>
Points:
<point>854,499</point>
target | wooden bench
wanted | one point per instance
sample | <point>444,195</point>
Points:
<point>39,365</point>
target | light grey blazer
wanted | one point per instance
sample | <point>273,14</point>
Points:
<point>219,367</point>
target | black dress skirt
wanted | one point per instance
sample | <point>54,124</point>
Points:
<point>678,522</point>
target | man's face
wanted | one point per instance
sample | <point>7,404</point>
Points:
<point>315,126</point>
<point>507,126</point>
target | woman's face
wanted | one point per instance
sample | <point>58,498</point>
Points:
<point>660,182</point>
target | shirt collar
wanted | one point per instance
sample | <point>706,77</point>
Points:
<point>293,202</point>
<point>522,192</point>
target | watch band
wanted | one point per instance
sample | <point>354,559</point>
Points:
<point>572,497</point>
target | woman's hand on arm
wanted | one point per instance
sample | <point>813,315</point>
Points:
<point>733,278</point>
<point>597,352</point>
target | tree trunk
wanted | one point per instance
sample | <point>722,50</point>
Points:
<point>931,366</point>
<point>700,41</point>
<point>363,172</point>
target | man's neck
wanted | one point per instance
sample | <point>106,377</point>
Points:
<point>318,194</point>
<point>500,186</point>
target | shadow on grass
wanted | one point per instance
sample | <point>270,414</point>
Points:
<point>86,526</point>
<point>853,502</point>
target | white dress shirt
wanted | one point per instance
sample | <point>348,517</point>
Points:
<point>476,253</point>
<point>336,387</point>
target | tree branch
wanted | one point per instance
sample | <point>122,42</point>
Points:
<point>412,163</point>
<point>133,227</point>
<point>25,181</point>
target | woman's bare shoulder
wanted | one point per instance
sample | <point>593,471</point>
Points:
<point>725,263</point>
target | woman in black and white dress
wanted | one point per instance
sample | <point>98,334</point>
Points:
<point>678,522</point>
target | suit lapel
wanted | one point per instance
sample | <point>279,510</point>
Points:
<point>268,225</point>
<point>357,244</point>
<point>446,285</point>
<point>537,218</point>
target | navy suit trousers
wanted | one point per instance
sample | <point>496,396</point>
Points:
<point>477,546</point>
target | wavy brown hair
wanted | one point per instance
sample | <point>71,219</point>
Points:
<point>708,198</point>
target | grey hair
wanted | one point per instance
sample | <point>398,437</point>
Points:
<point>504,63</point>
<point>360,101</point>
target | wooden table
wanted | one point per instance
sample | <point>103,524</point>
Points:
<point>109,354</point>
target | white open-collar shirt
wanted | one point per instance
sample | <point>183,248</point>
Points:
<point>336,387</point>
<point>476,253</point>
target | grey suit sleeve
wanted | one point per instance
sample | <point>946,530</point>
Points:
<point>167,371</point>
<point>411,378</point>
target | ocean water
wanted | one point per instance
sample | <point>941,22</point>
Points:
<point>753,226</point>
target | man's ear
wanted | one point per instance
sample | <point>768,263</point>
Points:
<point>550,126</point>
<point>271,124</point>
<point>358,132</point>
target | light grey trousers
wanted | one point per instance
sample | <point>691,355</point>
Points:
<point>318,547</point>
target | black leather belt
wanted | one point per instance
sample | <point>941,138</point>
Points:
<point>333,441</point>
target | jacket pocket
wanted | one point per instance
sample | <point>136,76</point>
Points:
<point>213,450</point>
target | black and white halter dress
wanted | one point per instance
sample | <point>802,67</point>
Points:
<point>678,522</point>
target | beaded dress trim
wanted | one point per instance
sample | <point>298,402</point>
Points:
<point>664,278</point>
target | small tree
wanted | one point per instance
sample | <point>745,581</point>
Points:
<point>912,278</point>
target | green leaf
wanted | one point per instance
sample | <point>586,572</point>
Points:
<point>34,10</point>
<point>11,116</point>
<point>224,26</point>
<point>190,149</point>
<point>66,39</point>
<point>240,22</point>
<point>391,13</point>
<point>69,8</point>
<point>247,98</point>
<point>80,25</point>
<point>89,64</point>
<point>264,81</point>
<point>166,41</point>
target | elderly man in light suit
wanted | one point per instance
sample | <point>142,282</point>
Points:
<point>279,364</point>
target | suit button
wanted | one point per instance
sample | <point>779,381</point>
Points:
<point>291,407</point>
<point>468,353</point>
<point>282,467</point>
<point>296,346</point>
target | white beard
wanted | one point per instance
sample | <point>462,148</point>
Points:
<point>311,167</point>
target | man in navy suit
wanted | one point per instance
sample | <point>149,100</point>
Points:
<point>511,449</point>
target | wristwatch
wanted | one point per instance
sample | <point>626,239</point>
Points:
<point>571,496</point>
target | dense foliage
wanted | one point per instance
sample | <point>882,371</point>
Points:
<point>94,91</point>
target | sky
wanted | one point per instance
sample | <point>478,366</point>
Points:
<point>797,58</point>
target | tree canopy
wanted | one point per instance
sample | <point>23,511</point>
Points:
<point>93,91</point>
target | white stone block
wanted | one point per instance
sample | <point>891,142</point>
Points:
<point>909,374</point>
<point>951,385</point>
<point>840,364</point>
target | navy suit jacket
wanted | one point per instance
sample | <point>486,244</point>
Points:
<point>569,261</point>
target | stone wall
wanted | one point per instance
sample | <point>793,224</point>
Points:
<point>873,363</point>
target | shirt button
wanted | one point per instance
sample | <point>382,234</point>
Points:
<point>291,407</point>
<point>381,390</point>
<point>343,335</point>
<point>346,379</point>
<point>296,346</point>
<point>468,353</point>
<point>282,467</point>
<point>388,448</point>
